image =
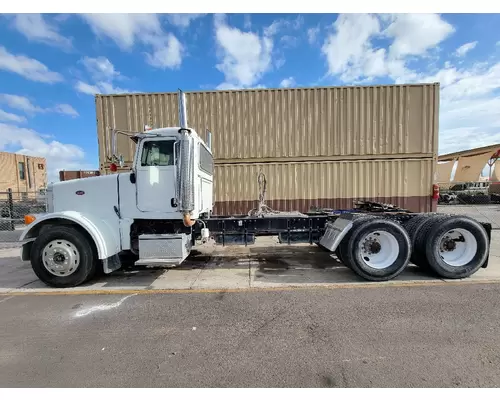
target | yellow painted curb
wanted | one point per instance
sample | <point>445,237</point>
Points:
<point>391,284</point>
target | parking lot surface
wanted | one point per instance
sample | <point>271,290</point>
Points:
<point>427,336</point>
<point>258,316</point>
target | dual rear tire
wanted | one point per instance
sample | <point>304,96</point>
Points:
<point>449,246</point>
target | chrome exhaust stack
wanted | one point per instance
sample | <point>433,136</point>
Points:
<point>185,171</point>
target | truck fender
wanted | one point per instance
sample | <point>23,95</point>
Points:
<point>106,238</point>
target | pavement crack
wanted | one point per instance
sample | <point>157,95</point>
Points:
<point>268,322</point>
<point>26,284</point>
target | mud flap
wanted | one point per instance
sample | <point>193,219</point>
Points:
<point>111,264</point>
<point>335,232</point>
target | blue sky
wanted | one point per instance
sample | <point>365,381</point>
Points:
<point>52,65</point>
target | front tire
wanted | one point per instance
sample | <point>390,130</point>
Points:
<point>63,257</point>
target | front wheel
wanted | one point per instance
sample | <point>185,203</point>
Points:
<point>63,257</point>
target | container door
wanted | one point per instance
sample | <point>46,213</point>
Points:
<point>156,176</point>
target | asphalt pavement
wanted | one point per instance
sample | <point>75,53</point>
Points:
<point>375,336</point>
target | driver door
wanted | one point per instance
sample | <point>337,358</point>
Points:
<point>156,176</point>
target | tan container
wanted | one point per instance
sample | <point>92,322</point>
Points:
<point>333,184</point>
<point>331,123</point>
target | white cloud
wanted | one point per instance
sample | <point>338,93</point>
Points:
<point>100,68</point>
<point>35,28</point>
<point>9,117</point>
<point>24,104</point>
<point>28,68</point>
<point>414,34</point>
<point>85,88</point>
<point>99,88</point>
<point>127,30</point>
<point>244,56</point>
<point>102,73</point>
<point>288,82</point>
<point>66,109</point>
<point>167,53</point>
<point>350,53</point>
<point>474,82</point>
<point>289,41</point>
<point>312,34</point>
<point>465,48</point>
<point>281,25</point>
<point>124,29</point>
<point>183,20</point>
<point>19,103</point>
<point>469,107</point>
<point>350,42</point>
<point>58,155</point>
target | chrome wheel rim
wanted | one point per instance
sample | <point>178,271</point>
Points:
<point>60,257</point>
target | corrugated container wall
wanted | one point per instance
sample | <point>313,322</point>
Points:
<point>286,124</point>
<point>331,184</point>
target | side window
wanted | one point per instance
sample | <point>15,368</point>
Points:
<point>157,153</point>
<point>206,160</point>
<point>22,174</point>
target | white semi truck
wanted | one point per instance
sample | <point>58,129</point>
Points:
<point>155,213</point>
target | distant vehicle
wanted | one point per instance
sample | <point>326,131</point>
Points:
<point>474,187</point>
<point>466,193</point>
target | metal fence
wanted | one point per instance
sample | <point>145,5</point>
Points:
<point>13,207</point>
<point>481,206</point>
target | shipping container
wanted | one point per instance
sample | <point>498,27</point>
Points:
<point>69,175</point>
<point>275,125</point>
<point>331,184</point>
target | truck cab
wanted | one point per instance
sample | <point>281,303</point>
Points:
<point>146,214</point>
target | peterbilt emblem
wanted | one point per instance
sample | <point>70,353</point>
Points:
<point>79,192</point>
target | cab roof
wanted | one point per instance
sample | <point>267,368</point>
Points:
<point>161,132</point>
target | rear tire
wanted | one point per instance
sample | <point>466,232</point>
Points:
<point>377,250</point>
<point>63,257</point>
<point>455,247</point>
<point>419,235</point>
<point>341,250</point>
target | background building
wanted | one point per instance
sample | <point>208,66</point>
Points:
<point>25,175</point>
<point>467,165</point>
<point>323,147</point>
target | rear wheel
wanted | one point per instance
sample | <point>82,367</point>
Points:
<point>377,250</point>
<point>341,250</point>
<point>63,257</point>
<point>456,247</point>
<point>418,235</point>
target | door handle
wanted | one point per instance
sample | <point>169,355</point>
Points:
<point>173,202</point>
